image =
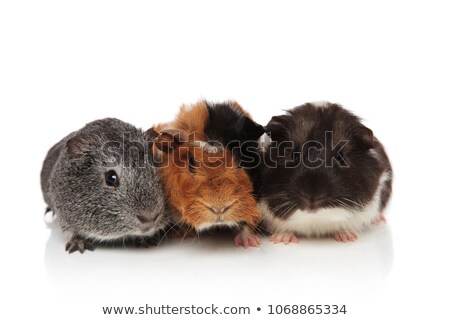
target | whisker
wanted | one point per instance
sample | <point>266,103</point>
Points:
<point>354,202</point>
<point>167,232</point>
<point>288,210</point>
<point>279,195</point>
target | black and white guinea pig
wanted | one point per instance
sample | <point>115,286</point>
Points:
<point>324,174</point>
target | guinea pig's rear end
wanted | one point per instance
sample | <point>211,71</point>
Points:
<point>324,174</point>
<point>102,186</point>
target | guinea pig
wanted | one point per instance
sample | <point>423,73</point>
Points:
<point>324,173</point>
<point>102,185</point>
<point>204,186</point>
<point>226,125</point>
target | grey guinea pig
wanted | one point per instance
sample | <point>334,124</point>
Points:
<point>325,174</point>
<point>102,185</point>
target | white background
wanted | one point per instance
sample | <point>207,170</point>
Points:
<point>64,63</point>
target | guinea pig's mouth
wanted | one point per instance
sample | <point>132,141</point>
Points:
<point>145,229</point>
<point>148,225</point>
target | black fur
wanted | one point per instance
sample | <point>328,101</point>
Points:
<point>292,176</point>
<point>87,208</point>
<point>231,127</point>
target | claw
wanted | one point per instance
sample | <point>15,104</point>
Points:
<point>78,244</point>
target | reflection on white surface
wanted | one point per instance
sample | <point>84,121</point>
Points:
<point>213,261</point>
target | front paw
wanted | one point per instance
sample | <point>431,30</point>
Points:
<point>78,244</point>
<point>345,236</point>
<point>378,220</point>
<point>246,239</point>
<point>284,237</point>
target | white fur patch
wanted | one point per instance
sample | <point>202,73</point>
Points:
<point>375,155</point>
<point>207,225</point>
<point>264,142</point>
<point>320,104</point>
<point>327,220</point>
<point>208,147</point>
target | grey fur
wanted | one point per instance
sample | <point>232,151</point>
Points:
<point>87,209</point>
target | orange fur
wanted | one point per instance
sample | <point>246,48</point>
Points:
<point>237,106</point>
<point>192,119</point>
<point>215,183</point>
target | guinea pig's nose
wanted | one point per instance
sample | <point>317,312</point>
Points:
<point>220,210</point>
<point>145,219</point>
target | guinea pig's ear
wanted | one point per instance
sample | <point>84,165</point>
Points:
<point>168,140</point>
<point>277,126</point>
<point>363,136</point>
<point>279,120</point>
<point>79,145</point>
<point>151,134</point>
<point>249,128</point>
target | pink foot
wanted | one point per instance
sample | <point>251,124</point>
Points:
<point>286,238</point>
<point>378,220</point>
<point>345,236</point>
<point>246,239</point>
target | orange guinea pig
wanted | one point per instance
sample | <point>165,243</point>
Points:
<point>204,185</point>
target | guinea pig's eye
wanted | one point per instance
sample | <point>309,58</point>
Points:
<point>111,178</point>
